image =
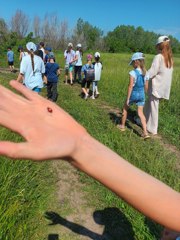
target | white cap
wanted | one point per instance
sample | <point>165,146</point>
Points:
<point>162,39</point>
<point>97,54</point>
<point>31,46</point>
<point>70,44</point>
<point>79,45</point>
<point>136,56</point>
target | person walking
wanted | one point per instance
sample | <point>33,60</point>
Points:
<point>88,71</point>
<point>69,56</point>
<point>136,91</point>
<point>10,59</point>
<point>97,71</point>
<point>160,75</point>
<point>52,73</point>
<point>22,53</point>
<point>32,69</point>
<point>78,64</point>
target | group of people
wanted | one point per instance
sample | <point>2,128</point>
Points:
<point>88,73</point>
<point>156,82</point>
<point>60,136</point>
<point>37,68</point>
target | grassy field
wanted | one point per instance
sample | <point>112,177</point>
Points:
<point>26,188</point>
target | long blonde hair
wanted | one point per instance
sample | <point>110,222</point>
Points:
<point>165,50</point>
<point>142,66</point>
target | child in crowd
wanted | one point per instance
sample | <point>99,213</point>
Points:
<point>52,73</point>
<point>22,53</point>
<point>41,47</point>
<point>32,69</point>
<point>97,69</point>
<point>69,56</point>
<point>136,91</point>
<point>48,51</point>
<point>10,58</point>
<point>88,71</point>
<point>78,64</point>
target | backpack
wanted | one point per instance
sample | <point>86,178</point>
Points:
<point>90,73</point>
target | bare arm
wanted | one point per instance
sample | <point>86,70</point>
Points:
<point>20,77</point>
<point>71,141</point>
<point>130,87</point>
<point>146,86</point>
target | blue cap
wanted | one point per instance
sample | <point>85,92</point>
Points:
<point>48,49</point>
<point>136,56</point>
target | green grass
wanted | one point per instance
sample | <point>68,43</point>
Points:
<point>24,192</point>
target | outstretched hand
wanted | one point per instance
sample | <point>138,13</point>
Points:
<point>49,131</point>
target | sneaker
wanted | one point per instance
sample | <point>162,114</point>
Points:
<point>121,128</point>
<point>92,97</point>
<point>86,96</point>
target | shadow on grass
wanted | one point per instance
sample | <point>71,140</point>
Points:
<point>116,225</point>
<point>154,228</point>
<point>130,123</point>
<point>53,237</point>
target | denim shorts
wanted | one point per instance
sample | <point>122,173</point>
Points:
<point>137,97</point>
<point>36,89</point>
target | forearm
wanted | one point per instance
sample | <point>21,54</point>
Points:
<point>142,191</point>
<point>130,87</point>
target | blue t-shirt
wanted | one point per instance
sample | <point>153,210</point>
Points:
<point>10,56</point>
<point>51,72</point>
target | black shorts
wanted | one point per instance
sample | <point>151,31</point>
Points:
<point>85,83</point>
<point>10,63</point>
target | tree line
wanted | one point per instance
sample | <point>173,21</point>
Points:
<point>57,34</point>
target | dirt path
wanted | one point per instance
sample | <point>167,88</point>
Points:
<point>79,223</point>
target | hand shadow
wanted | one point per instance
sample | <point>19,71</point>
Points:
<point>116,225</point>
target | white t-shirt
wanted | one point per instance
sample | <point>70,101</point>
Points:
<point>79,60</point>
<point>97,69</point>
<point>32,79</point>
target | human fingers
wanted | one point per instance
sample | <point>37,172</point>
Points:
<point>13,150</point>
<point>10,96</point>
<point>23,150</point>
<point>30,95</point>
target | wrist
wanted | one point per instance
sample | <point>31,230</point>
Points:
<point>80,152</point>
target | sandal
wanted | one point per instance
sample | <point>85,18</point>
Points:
<point>121,128</point>
<point>145,136</point>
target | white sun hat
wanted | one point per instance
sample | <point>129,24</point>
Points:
<point>31,46</point>
<point>97,54</point>
<point>162,39</point>
<point>70,44</point>
<point>136,56</point>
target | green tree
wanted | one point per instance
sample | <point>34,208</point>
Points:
<point>91,33</point>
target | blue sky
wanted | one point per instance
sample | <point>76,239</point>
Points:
<point>160,16</point>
